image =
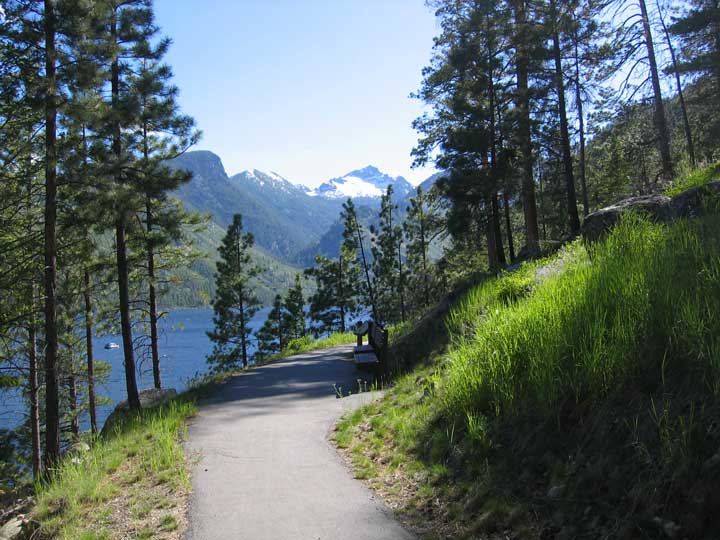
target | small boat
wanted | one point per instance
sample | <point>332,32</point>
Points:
<point>112,345</point>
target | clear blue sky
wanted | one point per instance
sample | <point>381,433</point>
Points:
<point>310,89</point>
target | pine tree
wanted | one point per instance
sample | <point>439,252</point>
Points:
<point>699,33</point>
<point>422,227</point>
<point>165,134</point>
<point>294,306</point>
<point>234,303</point>
<point>559,20</point>
<point>273,335</point>
<point>353,243</point>
<point>388,263</point>
<point>335,299</point>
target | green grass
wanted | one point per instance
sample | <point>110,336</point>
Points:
<point>651,295</point>
<point>307,344</point>
<point>598,370</point>
<point>138,463</point>
<point>696,178</point>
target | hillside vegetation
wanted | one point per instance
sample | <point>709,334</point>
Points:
<point>574,397</point>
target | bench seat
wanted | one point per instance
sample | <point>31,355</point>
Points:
<point>365,358</point>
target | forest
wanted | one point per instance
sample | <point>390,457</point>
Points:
<point>539,112</point>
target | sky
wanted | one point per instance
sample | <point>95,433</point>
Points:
<point>309,89</point>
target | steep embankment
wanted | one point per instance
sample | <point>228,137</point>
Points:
<point>574,398</point>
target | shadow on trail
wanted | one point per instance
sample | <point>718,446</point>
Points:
<point>309,376</point>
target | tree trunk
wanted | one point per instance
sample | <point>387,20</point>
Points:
<point>367,272</point>
<point>681,97</point>
<point>565,139</point>
<point>497,229</point>
<point>92,404</point>
<point>125,322</point>
<point>401,281</point>
<point>508,227</point>
<point>152,299</point>
<point>663,134</point>
<point>581,129</point>
<point>72,390</point>
<point>243,332</point>
<point>492,254</point>
<point>500,252</point>
<point>121,245</point>
<point>423,247</point>
<point>52,405</point>
<point>525,132</point>
<point>341,291</point>
<point>33,390</point>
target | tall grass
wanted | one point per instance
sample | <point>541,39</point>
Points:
<point>648,297</point>
<point>138,461</point>
<point>694,178</point>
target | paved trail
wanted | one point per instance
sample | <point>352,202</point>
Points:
<point>266,469</point>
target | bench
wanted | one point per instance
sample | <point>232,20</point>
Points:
<point>372,355</point>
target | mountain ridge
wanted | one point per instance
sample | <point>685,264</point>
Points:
<point>291,222</point>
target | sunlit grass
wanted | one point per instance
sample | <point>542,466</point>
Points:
<point>308,344</point>
<point>698,177</point>
<point>139,459</point>
<point>650,292</point>
<point>637,315</point>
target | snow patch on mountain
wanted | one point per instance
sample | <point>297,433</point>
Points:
<point>368,182</point>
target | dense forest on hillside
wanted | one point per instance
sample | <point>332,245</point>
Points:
<point>539,112</point>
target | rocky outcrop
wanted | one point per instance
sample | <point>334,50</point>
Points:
<point>688,204</point>
<point>696,201</point>
<point>152,397</point>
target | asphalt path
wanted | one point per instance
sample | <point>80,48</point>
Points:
<point>265,469</point>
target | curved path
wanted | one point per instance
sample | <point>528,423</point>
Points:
<point>266,469</point>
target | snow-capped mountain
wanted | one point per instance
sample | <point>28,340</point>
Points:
<point>289,221</point>
<point>366,183</point>
<point>270,180</point>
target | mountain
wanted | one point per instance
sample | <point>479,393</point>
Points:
<point>362,184</point>
<point>290,202</point>
<point>291,223</point>
<point>282,217</point>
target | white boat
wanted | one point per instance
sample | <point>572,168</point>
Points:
<point>112,345</point>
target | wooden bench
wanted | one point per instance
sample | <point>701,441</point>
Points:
<point>372,355</point>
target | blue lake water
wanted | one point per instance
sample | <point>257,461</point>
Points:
<point>184,347</point>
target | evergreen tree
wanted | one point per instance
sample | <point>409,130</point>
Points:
<point>273,335</point>
<point>636,47</point>
<point>422,227</point>
<point>353,244</point>
<point>165,134</point>
<point>335,299</point>
<point>388,263</point>
<point>294,314</point>
<point>234,303</point>
<point>698,31</point>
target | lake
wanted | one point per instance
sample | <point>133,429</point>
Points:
<point>183,344</point>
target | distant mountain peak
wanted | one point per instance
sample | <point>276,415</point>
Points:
<point>202,162</point>
<point>369,171</point>
<point>368,182</point>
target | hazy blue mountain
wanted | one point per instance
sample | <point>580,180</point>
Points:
<point>282,217</point>
<point>291,223</point>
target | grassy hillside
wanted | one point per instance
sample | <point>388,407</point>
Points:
<point>575,397</point>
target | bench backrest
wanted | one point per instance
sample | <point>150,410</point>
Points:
<point>377,337</point>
